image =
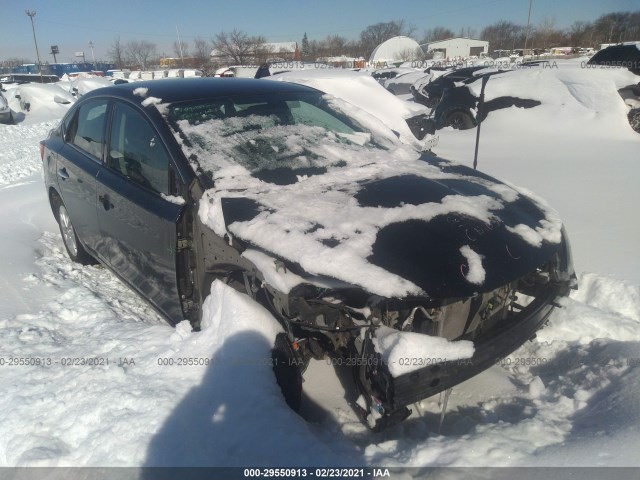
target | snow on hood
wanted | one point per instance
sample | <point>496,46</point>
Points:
<point>370,222</point>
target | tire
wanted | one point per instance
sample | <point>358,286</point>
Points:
<point>634,119</point>
<point>460,120</point>
<point>287,371</point>
<point>72,244</point>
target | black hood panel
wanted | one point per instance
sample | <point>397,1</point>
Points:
<point>443,232</point>
<point>428,254</point>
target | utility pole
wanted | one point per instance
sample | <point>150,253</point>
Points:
<point>95,67</point>
<point>526,34</point>
<point>180,45</point>
<point>31,14</point>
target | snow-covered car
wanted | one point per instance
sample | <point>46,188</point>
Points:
<point>50,96</point>
<point>414,272</point>
<point>397,78</point>
<point>429,93</point>
<point>401,83</point>
<point>5,112</point>
<point>620,56</point>
<point>409,120</point>
<point>82,85</point>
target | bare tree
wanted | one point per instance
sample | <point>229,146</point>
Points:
<point>201,51</point>
<point>617,27</point>
<point>141,52</point>
<point>504,35</point>
<point>580,34</point>
<point>374,35</point>
<point>181,48</point>
<point>239,48</point>
<point>117,53</point>
<point>436,33</point>
<point>547,35</point>
<point>467,32</point>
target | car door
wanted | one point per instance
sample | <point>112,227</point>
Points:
<point>78,163</point>
<point>137,221</point>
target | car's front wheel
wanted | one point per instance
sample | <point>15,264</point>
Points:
<point>74,248</point>
<point>634,119</point>
<point>288,371</point>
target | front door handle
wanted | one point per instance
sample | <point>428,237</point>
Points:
<point>62,173</point>
<point>104,200</point>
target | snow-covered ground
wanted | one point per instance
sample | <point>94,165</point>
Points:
<point>571,397</point>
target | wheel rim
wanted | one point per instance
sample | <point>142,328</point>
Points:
<point>68,235</point>
<point>456,121</point>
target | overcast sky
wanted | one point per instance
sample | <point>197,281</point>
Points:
<point>71,24</point>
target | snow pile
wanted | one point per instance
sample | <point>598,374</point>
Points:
<point>406,352</point>
<point>19,155</point>
<point>567,93</point>
<point>114,385</point>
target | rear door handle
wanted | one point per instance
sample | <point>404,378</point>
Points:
<point>62,173</point>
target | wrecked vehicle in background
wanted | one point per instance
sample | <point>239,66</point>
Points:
<point>414,272</point>
<point>409,121</point>
<point>459,107</point>
<point>429,93</point>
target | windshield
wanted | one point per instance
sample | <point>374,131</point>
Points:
<point>268,132</point>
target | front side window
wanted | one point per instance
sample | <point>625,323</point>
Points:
<point>135,150</point>
<point>87,127</point>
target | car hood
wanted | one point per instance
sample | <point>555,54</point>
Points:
<point>426,227</point>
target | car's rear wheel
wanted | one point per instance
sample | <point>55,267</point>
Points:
<point>459,120</point>
<point>72,244</point>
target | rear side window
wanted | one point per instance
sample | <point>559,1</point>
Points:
<point>135,150</point>
<point>87,128</point>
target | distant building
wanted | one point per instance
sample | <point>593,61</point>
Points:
<point>462,47</point>
<point>396,50</point>
<point>283,50</point>
<point>174,62</point>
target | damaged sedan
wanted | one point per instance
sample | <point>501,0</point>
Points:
<point>416,272</point>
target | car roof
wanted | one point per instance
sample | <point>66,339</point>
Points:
<point>183,89</point>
